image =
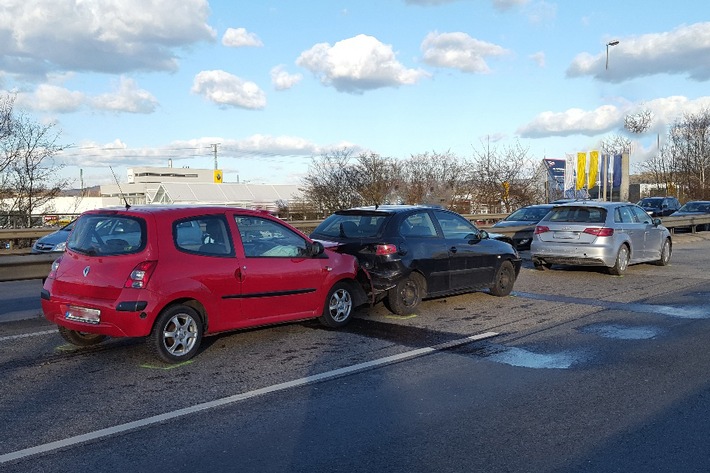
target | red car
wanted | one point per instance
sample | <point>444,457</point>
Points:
<point>174,274</point>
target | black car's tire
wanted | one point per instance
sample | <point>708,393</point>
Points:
<point>405,297</point>
<point>622,261</point>
<point>666,251</point>
<point>338,308</point>
<point>81,339</point>
<point>504,280</point>
<point>177,334</point>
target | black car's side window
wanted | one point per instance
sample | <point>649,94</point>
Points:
<point>418,225</point>
<point>455,227</point>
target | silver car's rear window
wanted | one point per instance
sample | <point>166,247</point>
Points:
<point>577,214</point>
<point>105,235</point>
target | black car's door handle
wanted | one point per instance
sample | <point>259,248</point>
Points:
<point>452,249</point>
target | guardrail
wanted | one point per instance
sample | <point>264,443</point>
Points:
<point>17,265</point>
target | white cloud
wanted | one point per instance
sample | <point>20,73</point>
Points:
<point>240,37</point>
<point>282,80</point>
<point>225,89</point>
<point>128,98</point>
<point>52,98</point>
<point>572,122</point>
<point>114,36</point>
<point>459,51</point>
<point>684,51</point>
<point>358,64</point>
<point>608,118</point>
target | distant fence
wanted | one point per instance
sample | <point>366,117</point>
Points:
<point>16,262</point>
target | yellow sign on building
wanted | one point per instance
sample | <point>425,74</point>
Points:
<point>218,176</point>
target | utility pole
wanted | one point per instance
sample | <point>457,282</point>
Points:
<point>214,150</point>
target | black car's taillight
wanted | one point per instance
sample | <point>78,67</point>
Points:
<point>385,249</point>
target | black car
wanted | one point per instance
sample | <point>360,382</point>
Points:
<point>416,252</point>
<point>659,206</point>
<point>526,217</point>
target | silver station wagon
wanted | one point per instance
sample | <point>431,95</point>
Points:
<point>610,234</point>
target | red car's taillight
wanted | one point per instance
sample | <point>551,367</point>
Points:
<point>54,268</point>
<point>385,249</point>
<point>541,229</point>
<point>600,232</point>
<point>139,277</point>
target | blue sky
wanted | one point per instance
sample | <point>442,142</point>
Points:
<point>276,83</point>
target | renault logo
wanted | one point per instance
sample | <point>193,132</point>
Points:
<point>86,271</point>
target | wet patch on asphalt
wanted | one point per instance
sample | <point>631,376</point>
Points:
<point>686,312</point>
<point>622,332</point>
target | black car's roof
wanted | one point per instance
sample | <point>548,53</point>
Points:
<point>387,209</point>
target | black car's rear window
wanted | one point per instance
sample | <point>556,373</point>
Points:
<point>98,234</point>
<point>351,225</point>
<point>577,214</point>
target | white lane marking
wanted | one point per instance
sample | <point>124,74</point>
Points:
<point>117,429</point>
<point>25,335</point>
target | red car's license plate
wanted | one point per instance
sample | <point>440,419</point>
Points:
<point>82,314</point>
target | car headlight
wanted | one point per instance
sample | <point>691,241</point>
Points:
<point>60,247</point>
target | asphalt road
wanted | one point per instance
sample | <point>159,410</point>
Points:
<point>587,372</point>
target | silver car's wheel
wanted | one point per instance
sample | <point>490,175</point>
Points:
<point>665,253</point>
<point>622,261</point>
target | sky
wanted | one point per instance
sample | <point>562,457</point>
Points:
<point>267,86</point>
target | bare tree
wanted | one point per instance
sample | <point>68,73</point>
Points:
<point>7,103</point>
<point>431,178</point>
<point>375,178</point>
<point>639,122</point>
<point>329,183</point>
<point>682,165</point>
<point>30,176</point>
<point>689,143</point>
<point>504,179</point>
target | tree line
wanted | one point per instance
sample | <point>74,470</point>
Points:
<point>495,179</point>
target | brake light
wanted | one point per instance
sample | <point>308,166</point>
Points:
<point>55,267</point>
<point>385,249</point>
<point>139,277</point>
<point>600,232</point>
<point>541,229</point>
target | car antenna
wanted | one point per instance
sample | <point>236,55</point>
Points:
<point>123,196</point>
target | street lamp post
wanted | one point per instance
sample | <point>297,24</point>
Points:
<point>610,43</point>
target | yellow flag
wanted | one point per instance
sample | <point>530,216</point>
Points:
<point>581,170</point>
<point>593,168</point>
<point>218,176</point>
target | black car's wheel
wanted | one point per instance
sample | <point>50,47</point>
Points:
<point>622,261</point>
<point>177,334</point>
<point>666,250</point>
<point>505,278</point>
<point>81,339</point>
<point>338,309</point>
<point>406,296</point>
